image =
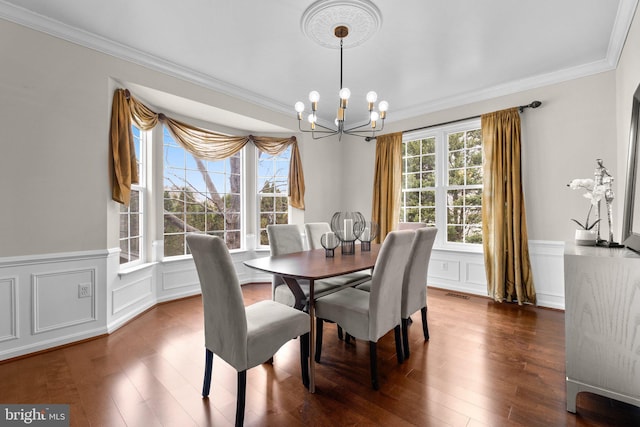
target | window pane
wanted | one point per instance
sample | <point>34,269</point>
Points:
<point>413,148</point>
<point>455,233</point>
<point>429,145</point>
<point>455,197</point>
<point>456,141</point>
<point>428,215</point>
<point>428,179</point>
<point>428,198</point>
<point>413,164</point>
<point>273,188</point>
<point>200,195</point>
<point>456,177</point>
<point>474,176</point>
<point>429,163</point>
<point>174,244</point>
<point>131,233</point>
<point>457,202</point>
<point>412,198</point>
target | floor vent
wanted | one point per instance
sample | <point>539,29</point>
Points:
<point>451,294</point>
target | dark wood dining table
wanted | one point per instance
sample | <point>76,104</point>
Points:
<point>313,265</point>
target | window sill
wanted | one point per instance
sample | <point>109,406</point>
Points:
<point>473,249</point>
<point>130,270</point>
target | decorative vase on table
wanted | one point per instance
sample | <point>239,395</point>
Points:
<point>366,232</point>
<point>329,242</point>
<point>586,237</point>
<point>342,226</point>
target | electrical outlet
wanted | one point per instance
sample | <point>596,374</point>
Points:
<point>444,266</point>
<point>84,290</point>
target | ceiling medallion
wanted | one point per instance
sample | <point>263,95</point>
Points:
<point>361,18</point>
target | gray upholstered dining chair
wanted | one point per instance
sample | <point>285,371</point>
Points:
<point>314,232</point>
<point>414,282</point>
<point>410,225</point>
<point>370,315</point>
<point>366,286</point>
<point>286,239</point>
<point>243,337</point>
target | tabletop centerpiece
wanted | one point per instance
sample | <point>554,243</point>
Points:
<point>366,232</point>
<point>342,225</point>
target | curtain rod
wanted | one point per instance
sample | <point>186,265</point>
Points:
<point>534,104</point>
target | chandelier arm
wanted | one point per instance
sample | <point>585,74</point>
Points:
<point>324,136</point>
<point>355,128</point>
<point>326,129</point>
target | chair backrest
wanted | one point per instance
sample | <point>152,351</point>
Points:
<point>414,283</point>
<point>410,225</point>
<point>314,231</point>
<point>283,239</point>
<point>386,283</point>
<point>225,320</point>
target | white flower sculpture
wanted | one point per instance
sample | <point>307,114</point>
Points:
<point>593,192</point>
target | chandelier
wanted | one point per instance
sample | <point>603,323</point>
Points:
<point>367,130</point>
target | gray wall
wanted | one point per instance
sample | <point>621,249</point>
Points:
<point>54,119</point>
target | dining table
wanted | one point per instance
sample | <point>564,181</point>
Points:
<point>311,266</point>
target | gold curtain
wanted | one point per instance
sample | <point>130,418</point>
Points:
<point>386,183</point>
<point>504,224</point>
<point>124,169</point>
<point>199,142</point>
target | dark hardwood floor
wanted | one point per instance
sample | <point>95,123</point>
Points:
<point>486,364</point>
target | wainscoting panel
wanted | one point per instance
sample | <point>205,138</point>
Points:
<point>8,309</point>
<point>464,272</point>
<point>56,299</point>
<point>48,300</point>
<point>445,269</point>
<point>132,293</point>
<point>41,307</point>
<point>547,264</point>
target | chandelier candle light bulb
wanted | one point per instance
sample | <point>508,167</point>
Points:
<point>342,31</point>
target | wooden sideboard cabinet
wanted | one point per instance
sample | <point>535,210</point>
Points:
<point>602,323</point>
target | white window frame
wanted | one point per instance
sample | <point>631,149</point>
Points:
<point>141,189</point>
<point>243,204</point>
<point>258,195</point>
<point>441,185</point>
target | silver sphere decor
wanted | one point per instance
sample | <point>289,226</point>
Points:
<point>366,232</point>
<point>329,242</point>
<point>342,224</point>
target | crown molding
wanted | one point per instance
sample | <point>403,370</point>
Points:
<point>21,16</point>
<point>504,89</point>
<point>54,28</point>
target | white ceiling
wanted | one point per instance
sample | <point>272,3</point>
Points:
<point>427,55</point>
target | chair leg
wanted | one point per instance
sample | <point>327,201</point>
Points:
<point>425,326</point>
<point>319,326</point>
<point>208,367</point>
<point>396,332</point>
<point>405,337</point>
<point>340,336</point>
<point>242,392</point>
<point>304,359</point>
<point>373,363</point>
